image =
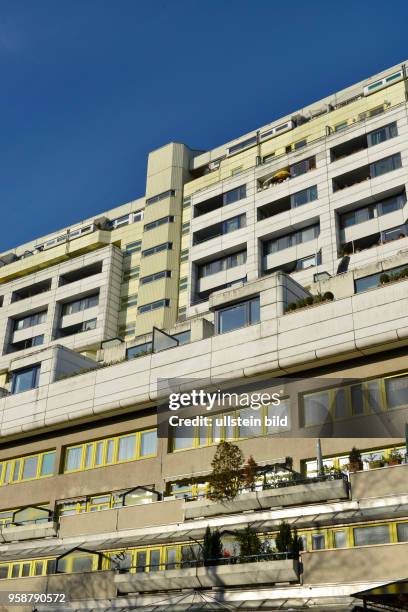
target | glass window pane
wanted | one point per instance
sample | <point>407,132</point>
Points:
<point>318,542</point>
<point>255,311</point>
<point>74,458</point>
<point>3,572</point>
<point>109,451</point>
<point>25,379</point>
<point>374,395</point>
<point>38,568</point>
<point>316,408</point>
<point>30,467</point>
<point>340,404</point>
<point>148,443</point>
<point>279,412</point>
<point>402,532</point>
<point>183,437</point>
<point>26,569</point>
<point>99,453</point>
<point>47,464</point>
<point>16,469</point>
<point>357,402</point>
<point>140,561</point>
<point>15,570</point>
<point>396,391</point>
<point>88,455</point>
<point>340,540</point>
<point>249,430</point>
<point>171,558</point>
<point>127,448</point>
<point>380,534</point>
<point>82,563</point>
<point>154,560</point>
<point>232,318</point>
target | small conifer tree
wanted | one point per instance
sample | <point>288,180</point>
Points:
<point>226,477</point>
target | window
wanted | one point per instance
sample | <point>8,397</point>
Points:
<point>154,305</point>
<point>80,273</point>
<point>79,305</point>
<point>292,239</point>
<point>166,246</point>
<point>31,467</point>
<point>360,215</point>
<point>365,536</point>
<point>242,145</point>
<point>131,274</point>
<point>315,408</point>
<point>128,301</point>
<point>340,126</point>
<point>183,283</point>
<point>393,162</point>
<point>402,532</point>
<point>30,320</point>
<point>396,388</point>
<point>185,228</point>
<point>225,263</point>
<point>158,223</point>
<point>170,193</point>
<point>303,197</point>
<point>25,379</point>
<point>184,255</point>
<point>234,195</point>
<point>373,280</point>
<point>318,542</point>
<point>153,277</point>
<point>339,539</point>
<point>302,167</point>
<point>139,350</point>
<point>133,247</point>
<point>300,144</point>
<point>382,134</point>
<point>309,262</point>
<point>78,328</point>
<point>27,343</point>
<point>239,315</point>
<point>109,451</point>
<point>183,337</point>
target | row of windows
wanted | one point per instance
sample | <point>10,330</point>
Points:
<point>170,193</point>
<point>373,280</point>
<point>292,239</point>
<point>224,263</point>
<point>133,247</point>
<point>225,427</point>
<point>30,320</point>
<point>363,398</point>
<point>80,305</point>
<point>156,276</point>
<point>154,305</point>
<point>31,467</point>
<point>163,221</point>
<point>126,219</point>
<point>165,246</point>
<point>372,211</point>
<point>27,343</point>
<point>128,301</point>
<point>165,557</point>
<point>78,328</point>
<point>341,462</point>
<point>106,501</point>
<point>130,274</point>
<point>109,451</point>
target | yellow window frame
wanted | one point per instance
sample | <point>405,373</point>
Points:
<point>20,461</point>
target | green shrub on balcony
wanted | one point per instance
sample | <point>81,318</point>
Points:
<point>310,301</point>
<point>390,278</point>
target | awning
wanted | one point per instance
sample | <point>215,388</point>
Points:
<point>392,596</point>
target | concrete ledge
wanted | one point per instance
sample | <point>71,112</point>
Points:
<point>263,572</point>
<point>28,532</point>
<point>292,495</point>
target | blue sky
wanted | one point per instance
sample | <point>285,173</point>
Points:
<point>89,87</point>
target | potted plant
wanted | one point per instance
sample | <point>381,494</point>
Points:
<point>375,462</point>
<point>395,457</point>
<point>355,462</point>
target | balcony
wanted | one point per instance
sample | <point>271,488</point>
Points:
<point>227,572</point>
<point>349,148</point>
<point>286,493</point>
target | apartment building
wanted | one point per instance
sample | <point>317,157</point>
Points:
<point>277,259</point>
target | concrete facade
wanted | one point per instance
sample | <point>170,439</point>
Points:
<point>301,228</point>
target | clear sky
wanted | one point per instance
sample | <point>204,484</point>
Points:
<point>89,87</point>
